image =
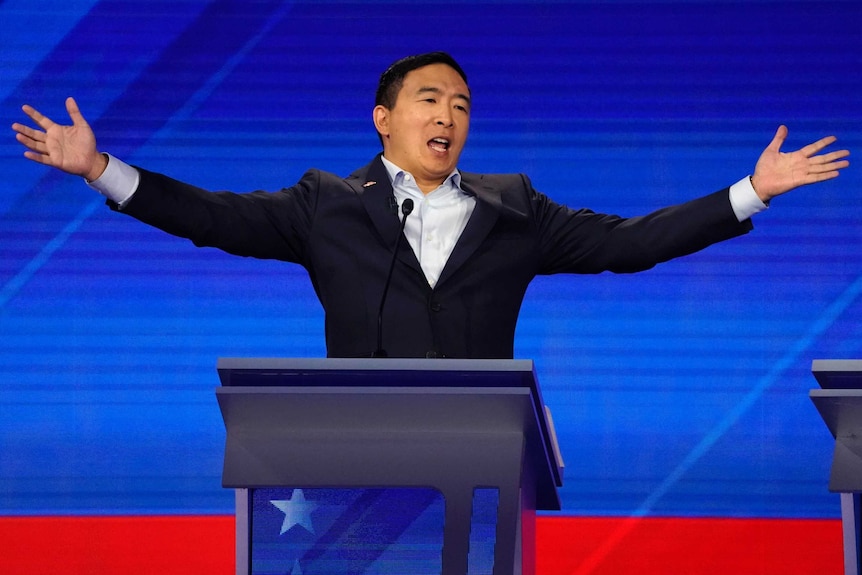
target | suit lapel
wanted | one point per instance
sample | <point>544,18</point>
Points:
<point>374,189</point>
<point>485,215</point>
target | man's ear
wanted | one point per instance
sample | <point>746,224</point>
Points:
<point>381,120</point>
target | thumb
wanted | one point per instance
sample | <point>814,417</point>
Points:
<point>778,139</point>
<point>74,112</point>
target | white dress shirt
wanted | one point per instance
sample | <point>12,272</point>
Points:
<point>437,220</point>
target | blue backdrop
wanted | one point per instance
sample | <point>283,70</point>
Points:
<point>679,391</point>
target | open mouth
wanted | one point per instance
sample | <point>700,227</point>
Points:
<point>438,144</point>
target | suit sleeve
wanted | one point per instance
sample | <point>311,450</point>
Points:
<point>582,241</point>
<point>257,224</point>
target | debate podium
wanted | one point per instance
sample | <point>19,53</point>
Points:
<point>469,442</point>
<point>839,402</point>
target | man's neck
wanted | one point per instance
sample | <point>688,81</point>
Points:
<point>425,186</point>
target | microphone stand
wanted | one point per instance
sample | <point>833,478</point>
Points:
<point>406,209</point>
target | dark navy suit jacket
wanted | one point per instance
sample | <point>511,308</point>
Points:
<point>343,231</point>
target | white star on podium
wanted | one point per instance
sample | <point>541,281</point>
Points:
<point>297,511</point>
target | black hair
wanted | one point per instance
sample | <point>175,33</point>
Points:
<point>393,78</point>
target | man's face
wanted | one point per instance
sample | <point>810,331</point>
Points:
<point>426,130</point>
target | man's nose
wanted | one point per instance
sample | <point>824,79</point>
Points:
<point>445,118</point>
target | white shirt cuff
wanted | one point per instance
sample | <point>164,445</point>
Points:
<point>744,200</point>
<point>118,182</point>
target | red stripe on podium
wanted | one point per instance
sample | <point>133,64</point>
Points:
<point>670,546</point>
<point>135,545</point>
<point>565,546</point>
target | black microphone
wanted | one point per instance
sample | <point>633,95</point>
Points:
<point>406,209</point>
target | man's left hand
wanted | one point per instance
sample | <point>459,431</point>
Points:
<point>777,172</point>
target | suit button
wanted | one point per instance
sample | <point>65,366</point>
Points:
<point>434,306</point>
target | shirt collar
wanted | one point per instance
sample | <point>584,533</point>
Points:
<point>396,175</point>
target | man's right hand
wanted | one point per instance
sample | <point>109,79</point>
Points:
<point>71,149</point>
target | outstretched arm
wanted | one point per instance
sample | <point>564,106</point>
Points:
<point>777,172</point>
<point>71,149</point>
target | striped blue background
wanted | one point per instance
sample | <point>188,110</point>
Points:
<point>680,391</point>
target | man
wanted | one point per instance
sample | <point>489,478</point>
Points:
<point>474,241</point>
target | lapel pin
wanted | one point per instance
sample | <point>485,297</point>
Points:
<point>368,184</point>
